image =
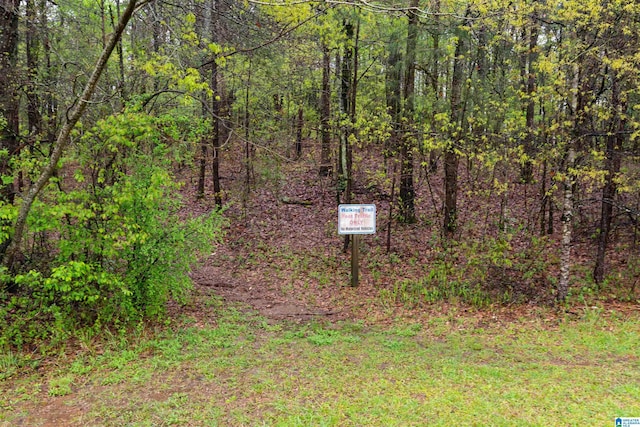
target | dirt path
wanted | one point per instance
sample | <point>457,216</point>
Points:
<point>212,281</point>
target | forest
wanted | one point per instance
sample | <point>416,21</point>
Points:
<point>499,141</point>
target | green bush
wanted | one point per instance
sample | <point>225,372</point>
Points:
<point>108,245</point>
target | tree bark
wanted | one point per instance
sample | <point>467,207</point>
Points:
<point>299,126</point>
<point>34,118</point>
<point>529,77</point>
<point>62,141</point>
<point>451,158</point>
<point>215,113</point>
<point>407,191</point>
<point>393,95</point>
<point>612,166</point>
<point>346,109</point>
<point>325,114</point>
<point>9,102</point>
<point>203,25</point>
<point>567,227</point>
<point>435,79</point>
<point>577,106</point>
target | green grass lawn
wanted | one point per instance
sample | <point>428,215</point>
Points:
<point>442,371</point>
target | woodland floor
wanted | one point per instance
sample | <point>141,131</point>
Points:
<point>282,255</point>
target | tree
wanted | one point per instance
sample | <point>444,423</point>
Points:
<point>62,140</point>
<point>528,76</point>
<point>407,144</point>
<point>9,99</point>
<point>451,157</point>
<point>325,113</point>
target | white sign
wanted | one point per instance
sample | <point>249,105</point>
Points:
<point>356,219</point>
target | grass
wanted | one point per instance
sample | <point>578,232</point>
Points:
<point>247,372</point>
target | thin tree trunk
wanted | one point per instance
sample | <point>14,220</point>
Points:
<point>124,95</point>
<point>550,226</point>
<point>202,168</point>
<point>62,140</point>
<point>614,145</point>
<point>566,219</point>
<point>340,163</point>
<point>351,109</point>
<point>345,110</point>
<point>451,158</point>
<point>567,228</point>
<point>50,103</point>
<point>325,113</point>
<point>34,118</point>
<point>407,191</point>
<point>544,199</point>
<point>9,101</point>
<point>215,113</point>
<point>393,95</point>
<point>435,80</point>
<point>247,146</point>
<point>215,161</point>
<point>299,127</point>
<point>157,37</point>
<point>203,27</point>
<point>526,172</point>
<point>391,202</point>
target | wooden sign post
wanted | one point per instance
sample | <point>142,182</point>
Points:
<point>355,220</point>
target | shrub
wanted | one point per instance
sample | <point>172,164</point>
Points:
<point>108,244</point>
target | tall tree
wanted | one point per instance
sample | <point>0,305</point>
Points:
<point>34,118</point>
<point>407,144</point>
<point>613,153</point>
<point>62,140</point>
<point>215,107</point>
<point>529,83</point>
<point>451,156</point>
<point>325,113</point>
<point>9,99</point>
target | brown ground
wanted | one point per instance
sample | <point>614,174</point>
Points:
<point>282,255</point>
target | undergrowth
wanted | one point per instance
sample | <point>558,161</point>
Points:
<point>107,245</point>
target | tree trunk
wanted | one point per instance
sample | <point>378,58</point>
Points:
<point>393,95</point>
<point>346,97</point>
<point>612,165</point>
<point>62,140</point>
<point>202,168</point>
<point>216,111</point>
<point>325,114</point>
<point>247,133</point>
<point>34,119</point>
<point>215,161</point>
<point>435,79</point>
<point>567,228</point>
<point>203,27</point>
<point>299,127</point>
<point>451,158</point>
<point>50,103</point>
<point>577,106</point>
<point>158,38</point>
<point>407,191</point>
<point>544,199</point>
<point>529,77</point>
<point>9,102</point>
<point>121,79</point>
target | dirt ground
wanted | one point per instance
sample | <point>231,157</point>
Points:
<point>282,255</point>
